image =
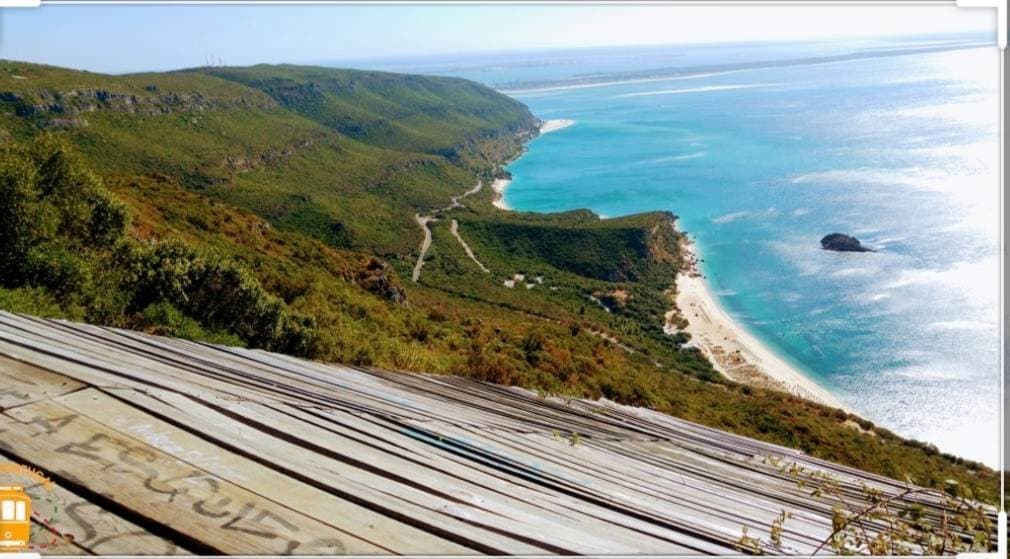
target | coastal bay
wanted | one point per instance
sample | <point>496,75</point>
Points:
<point>759,166</point>
<point>500,185</point>
<point>733,351</point>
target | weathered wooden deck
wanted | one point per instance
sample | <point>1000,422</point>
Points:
<point>166,446</point>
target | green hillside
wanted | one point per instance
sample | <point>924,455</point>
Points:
<point>237,144</point>
<point>274,207</point>
<point>437,115</point>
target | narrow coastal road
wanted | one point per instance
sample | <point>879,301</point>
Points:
<point>424,220</point>
<point>456,199</point>
<point>454,229</point>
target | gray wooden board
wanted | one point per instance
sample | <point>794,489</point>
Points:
<point>530,503</point>
<point>92,529</point>
<point>165,490</point>
<point>369,461</point>
<point>454,498</point>
<point>255,477</point>
<point>22,383</point>
<point>336,476</point>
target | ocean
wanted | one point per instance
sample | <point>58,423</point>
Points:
<point>760,158</point>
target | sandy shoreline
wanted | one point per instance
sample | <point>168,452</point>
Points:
<point>499,185</point>
<point>733,350</point>
<point>554,125</point>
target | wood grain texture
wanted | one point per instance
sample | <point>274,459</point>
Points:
<point>167,446</point>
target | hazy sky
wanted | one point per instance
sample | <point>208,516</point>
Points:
<point>136,38</point>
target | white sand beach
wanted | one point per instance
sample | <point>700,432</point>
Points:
<point>499,186</point>
<point>554,125</point>
<point>733,350</point>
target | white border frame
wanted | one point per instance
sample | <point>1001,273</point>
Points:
<point>1001,39</point>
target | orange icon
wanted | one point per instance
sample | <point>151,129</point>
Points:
<point>15,518</point>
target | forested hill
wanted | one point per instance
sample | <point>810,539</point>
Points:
<point>437,115</point>
<point>345,156</point>
<point>285,208</point>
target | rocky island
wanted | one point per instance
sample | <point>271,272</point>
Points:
<point>840,242</point>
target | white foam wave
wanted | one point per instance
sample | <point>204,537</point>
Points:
<point>746,214</point>
<point>791,296</point>
<point>731,217</point>
<point>688,156</point>
<point>978,111</point>
<point>929,372</point>
<point>979,154</point>
<point>683,157</point>
<point>881,243</point>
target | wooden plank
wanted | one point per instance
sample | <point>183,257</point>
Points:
<point>86,369</point>
<point>335,476</point>
<point>533,412</point>
<point>559,463</point>
<point>514,503</point>
<point>88,360</point>
<point>22,383</point>
<point>519,482</point>
<point>165,490</point>
<point>81,527</point>
<point>205,366</point>
<point>322,506</point>
<point>455,460</point>
<point>45,542</point>
<point>91,361</point>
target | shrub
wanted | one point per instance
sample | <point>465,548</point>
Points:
<point>165,320</point>
<point>54,215</point>
<point>63,272</point>
<point>220,294</point>
<point>17,185</point>
<point>61,231</point>
<point>30,300</point>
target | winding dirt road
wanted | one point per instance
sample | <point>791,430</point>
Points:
<point>454,229</point>
<point>424,220</point>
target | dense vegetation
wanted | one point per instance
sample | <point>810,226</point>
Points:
<point>273,207</point>
<point>63,245</point>
<point>403,112</point>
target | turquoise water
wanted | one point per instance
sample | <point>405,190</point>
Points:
<point>759,164</point>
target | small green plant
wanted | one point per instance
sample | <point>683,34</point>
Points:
<point>748,544</point>
<point>575,440</point>
<point>775,533</point>
<point>867,521</point>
